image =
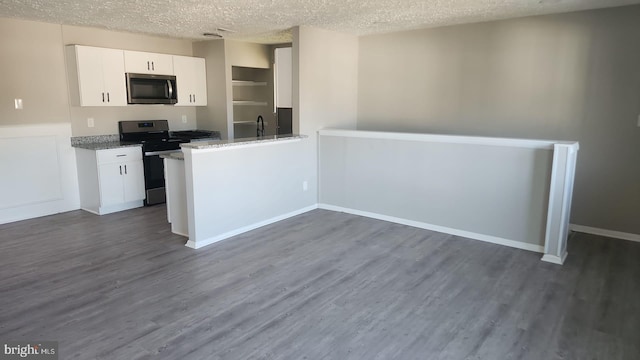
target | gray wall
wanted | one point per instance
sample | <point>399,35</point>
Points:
<point>325,89</point>
<point>32,68</point>
<point>571,76</point>
<point>488,190</point>
<point>214,116</point>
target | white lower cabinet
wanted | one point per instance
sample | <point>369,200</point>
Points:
<point>110,180</point>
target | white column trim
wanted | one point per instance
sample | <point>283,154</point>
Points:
<point>559,209</point>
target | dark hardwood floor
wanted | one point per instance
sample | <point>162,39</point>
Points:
<point>322,285</point>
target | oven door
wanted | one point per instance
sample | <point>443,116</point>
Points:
<point>154,177</point>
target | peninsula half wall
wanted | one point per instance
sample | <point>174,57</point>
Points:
<point>512,192</point>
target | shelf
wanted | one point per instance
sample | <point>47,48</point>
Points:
<point>248,83</point>
<point>250,103</point>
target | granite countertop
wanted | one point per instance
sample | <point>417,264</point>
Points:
<point>212,144</point>
<point>104,145</point>
<point>112,141</point>
<point>100,142</point>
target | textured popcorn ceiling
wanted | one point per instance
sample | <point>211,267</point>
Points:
<point>269,21</point>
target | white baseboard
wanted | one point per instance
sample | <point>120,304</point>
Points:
<point>442,229</point>
<point>104,210</point>
<point>605,232</point>
<point>204,242</point>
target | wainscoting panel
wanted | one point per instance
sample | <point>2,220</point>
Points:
<point>38,171</point>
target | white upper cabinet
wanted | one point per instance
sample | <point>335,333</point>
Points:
<point>283,66</point>
<point>148,63</point>
<point>191,78</point>
<point>96,76</point>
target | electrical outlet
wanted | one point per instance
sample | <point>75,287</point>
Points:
<point>90,122</point>
<point>184,119</point>
<point>18,104</point>
<point>305,186</point>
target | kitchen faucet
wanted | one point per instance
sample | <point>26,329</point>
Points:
<point>260,126</point>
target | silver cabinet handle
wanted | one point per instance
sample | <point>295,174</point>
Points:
<point>120,169</point>
<point>194,97</point>
<point>190,98</point>
<point>152,66</point>
<point>108,99</point>
<point>125,169</point>
<point>148,67</point>
<point>121,155</point>
<point>102,97</point>
<point>161,152</point>
<point>170,89</point>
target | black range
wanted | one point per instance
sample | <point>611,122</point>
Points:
<point>156,139</point>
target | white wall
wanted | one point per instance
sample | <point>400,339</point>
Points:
<point>325,87</point>
<point>568,77</point>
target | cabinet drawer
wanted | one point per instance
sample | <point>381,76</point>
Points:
<point>119,155</point>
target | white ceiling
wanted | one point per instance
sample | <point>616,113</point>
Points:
<point>268,21</point>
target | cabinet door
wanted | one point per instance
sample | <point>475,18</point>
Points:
<point>148,63</point>
<point>184,80</point>
<point>114,81</point>
<point>133,181</point>
<point>90,75</point>
<point>192,80</point>
<point>111,184</point>
<point>199,81</point>
<point>283,66</point>
<point>100,76</point>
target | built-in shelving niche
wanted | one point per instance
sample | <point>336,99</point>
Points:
<point>252,96</point>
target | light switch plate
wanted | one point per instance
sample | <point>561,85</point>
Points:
<point>18,104</point>
<point>184,119</point>
<point>90,122</point>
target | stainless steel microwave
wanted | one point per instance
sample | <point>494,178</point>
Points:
<point>151,89</point>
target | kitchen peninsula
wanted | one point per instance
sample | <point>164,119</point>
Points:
<point>221,188</point>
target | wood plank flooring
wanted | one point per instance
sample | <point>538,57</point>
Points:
<point>322,285</point>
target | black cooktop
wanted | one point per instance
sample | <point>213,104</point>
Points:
<point>154,135</point>
<point>191,134</point>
